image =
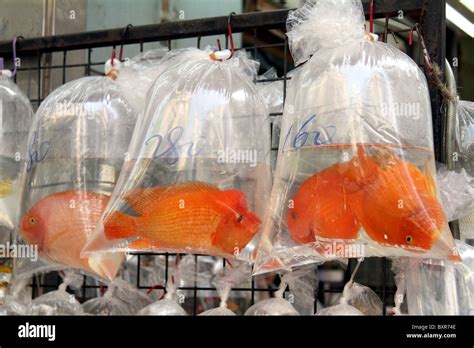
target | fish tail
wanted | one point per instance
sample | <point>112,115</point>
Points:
<point>119,226</point>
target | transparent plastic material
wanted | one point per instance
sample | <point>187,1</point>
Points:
<point>198,176</point>
<point>465,278</point>
<point>138,74</point>
<point>340,309</point>
<point>432,287</point>
<point>58,302</point>
<point>362,298</point>
<point>184,269</point>
<point>16,115</point>
<point>76,148</point>
<point>457,192</point>
<point>355,173</point>
<point>464,136</point>
<point>230,277</point>
<point>121,298</point>
<point>277,305</point>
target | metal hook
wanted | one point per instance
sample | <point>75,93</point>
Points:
<point>230,34</point>
<point>199,42</point>
<point>125,31</point>
<point>15,40</point>
<point>371,16</point>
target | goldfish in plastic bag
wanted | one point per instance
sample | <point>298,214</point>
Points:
<point>391,199</point>
<point>319,208</point>
<point>60,225</point>
<point>190,215</point>
<point>398,205</point>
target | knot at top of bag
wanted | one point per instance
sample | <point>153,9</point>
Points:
<point>324,24</point>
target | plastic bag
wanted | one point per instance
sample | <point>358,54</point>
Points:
<point>138,74</point>
<point>355,174</point>
<point>184,269</point>
<point>198,176</point>
<point>58,302</point>
<point>463,157</point>
<point>465,278</point>
<point>361,298</point>
<point>120,299</point>
<point>457,193</point>
<point>431,286</point>
<point>76,149</point>
<point>274,306</point>
<point>12,299</point>
<point>224,282</point>
<point>464,136</point>
<point>16,115</point>
<point>340,309</point>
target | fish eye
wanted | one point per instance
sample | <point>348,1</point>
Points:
<point>240,218</point>
<point>32,220</point>
<point>409,239</point>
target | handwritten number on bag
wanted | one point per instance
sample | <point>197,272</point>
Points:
<point>38,154</point>
<point>173,151</point>
<point>304,138</point>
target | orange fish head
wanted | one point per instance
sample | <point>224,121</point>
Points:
<point>419,231</point>
<point>32,228</point>
<point>239,225</point>
<point>236,232</point>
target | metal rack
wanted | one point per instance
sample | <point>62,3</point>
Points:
<point>430,14</point>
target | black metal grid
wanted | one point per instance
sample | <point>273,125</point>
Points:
<point>430,14</point>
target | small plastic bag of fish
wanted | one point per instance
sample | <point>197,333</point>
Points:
<point>198,174</point>
<point>121,298</point>
<point>59,302</point>
<point>355,173</point>
<point>277,305</point>
<point>362,298</point>
<point>171,302</point>
<point>228,278</point>
<point>76,148</point>
<point>16,115</point>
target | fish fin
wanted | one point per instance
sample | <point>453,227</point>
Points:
<point>234,198</point>
<point>142,244</point>
<point>221,239</point>
<point>430,181</point>
<point>6,188</point>
<point>140,199</point>
<point>118,225</point>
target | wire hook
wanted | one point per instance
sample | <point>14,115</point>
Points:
<point>230,34</point>
<point>371,16</point>
<point>15,41</point>
<point>125,31</point>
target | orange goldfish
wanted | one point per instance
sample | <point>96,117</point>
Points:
<point>319,208</point>
<point>62,223</point>
<point>397,206</point>
<point>190,215</point>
